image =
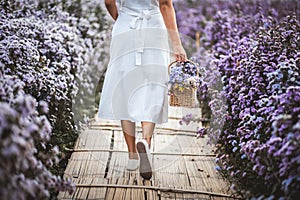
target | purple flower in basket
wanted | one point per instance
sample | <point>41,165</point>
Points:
<point>184,75</point>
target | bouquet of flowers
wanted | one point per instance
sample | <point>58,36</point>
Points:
<point>183,81</point>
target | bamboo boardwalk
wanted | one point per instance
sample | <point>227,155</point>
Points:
<point>183,165</point>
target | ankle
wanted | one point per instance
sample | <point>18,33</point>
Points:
<point>148,142</point>
<point>133,155</point>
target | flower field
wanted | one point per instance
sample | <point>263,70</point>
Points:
<point>53,54</point>
<point>253,48</point>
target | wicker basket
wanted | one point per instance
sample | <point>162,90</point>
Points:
<point>183,98</point>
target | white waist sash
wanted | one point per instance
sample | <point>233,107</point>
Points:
<point>139,23</point>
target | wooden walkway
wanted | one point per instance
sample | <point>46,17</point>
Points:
<point>183,165</point>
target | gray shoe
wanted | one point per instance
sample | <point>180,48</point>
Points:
<point>145,159</point>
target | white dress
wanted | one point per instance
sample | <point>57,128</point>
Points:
<point>135,84</point>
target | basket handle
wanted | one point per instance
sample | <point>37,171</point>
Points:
<point>170,65</point>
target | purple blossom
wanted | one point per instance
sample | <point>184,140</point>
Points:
<point>257,53</point>
<point>46,56</point>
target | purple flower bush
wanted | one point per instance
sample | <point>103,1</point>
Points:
<point>24,129</point>
<point>255,49</point>
<point>51,58</point>
<point>261,77</point>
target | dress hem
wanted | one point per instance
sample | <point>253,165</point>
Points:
<point>133,120</point>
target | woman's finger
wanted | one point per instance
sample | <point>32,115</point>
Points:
<point>182,56</point>
<point>176,57</point>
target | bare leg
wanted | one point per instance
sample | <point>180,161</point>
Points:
<point>128,128</point>
<point>148,129</point>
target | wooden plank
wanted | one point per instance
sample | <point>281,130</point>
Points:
<point>197,183</point>
<point>163,164</point>
<point>87,164</point>
<point>79,193</point>
<point>140,192</point>
<point>92,139</point>
<point>79,164</point>
<point>184,143</point>
<point>111,191</point>
<point>71,171</point>
<point>156,192</point>
<point>189,162</point>
<point>174,114</point>
<point>172,173</point>
<point>215,180</point>
<point>149,193</point>
<point>135,192</point>
<point>161,189</point>
<point>97,192</point>
<point>180,164</point>
<point>128,195</point>
<point>81,140</point>
<point>120,192</point>
<point>118,160</point>
<point>83,165</point>
<point>201,169</point>
<point>98,164</point>
<point>212,179</point>
<point>181,178</point>
<point>76,166</point>
<point>194,145</point>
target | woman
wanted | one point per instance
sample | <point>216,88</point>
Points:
<point>135,84</point>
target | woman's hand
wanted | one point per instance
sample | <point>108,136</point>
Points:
<point>179,53</point>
